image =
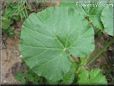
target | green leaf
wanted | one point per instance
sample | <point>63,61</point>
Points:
<point>32,77</point>
<point>107,19</point>
<point>70,76</point>
<point>91,77</point>
<point>94,12</point>
<point>50,36</point>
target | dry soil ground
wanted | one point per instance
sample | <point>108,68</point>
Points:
<point>10,56</point>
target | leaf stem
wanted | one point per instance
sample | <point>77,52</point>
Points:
<point>103,50</point>
<point>73,58</point>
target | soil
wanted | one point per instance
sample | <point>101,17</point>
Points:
<point>10,56</point>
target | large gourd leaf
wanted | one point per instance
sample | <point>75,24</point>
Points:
<point>50,36</point>
<point>107,19</point>
<point>92,77</point>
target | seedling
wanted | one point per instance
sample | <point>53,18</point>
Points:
<point>52,37</point>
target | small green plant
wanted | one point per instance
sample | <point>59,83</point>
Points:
<point>92,77</point>
<point>13,12</point>
<point>29,77</point>
<point>56,43</point>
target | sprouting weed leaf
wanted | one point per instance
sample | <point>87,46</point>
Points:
<point>15,10</point>
<point>107,19</point>
<point>20,77</point>
<point>93,77</point>
<point>50,36</point>
<point>27,77</point>
<point>10,11</point>
<point>6,22</point>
